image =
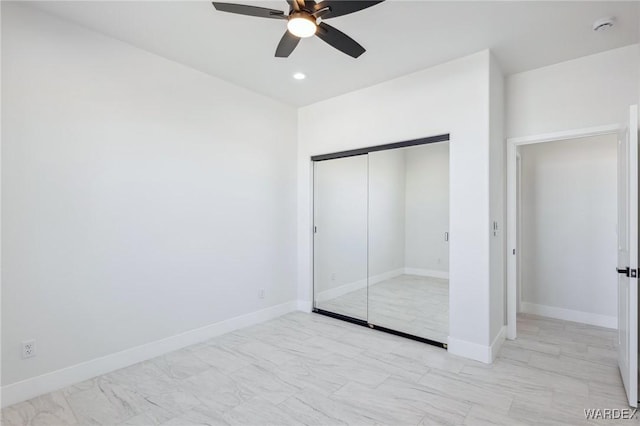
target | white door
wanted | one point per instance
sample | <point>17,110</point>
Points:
<point>628,257</point>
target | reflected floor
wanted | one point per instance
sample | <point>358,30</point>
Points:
<point>409,303</point>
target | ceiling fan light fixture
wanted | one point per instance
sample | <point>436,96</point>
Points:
<point>302,25</point>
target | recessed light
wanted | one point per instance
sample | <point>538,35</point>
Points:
<point>299,76</point>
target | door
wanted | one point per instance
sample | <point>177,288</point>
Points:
<point>408,241</point>
<point>628,257</point>
<point>340,236</point>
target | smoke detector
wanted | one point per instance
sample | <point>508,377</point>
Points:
<point>603,24</point>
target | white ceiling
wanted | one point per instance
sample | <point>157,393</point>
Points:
<point>400,37</point>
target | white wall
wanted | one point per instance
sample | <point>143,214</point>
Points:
<point>497,200</point>
<point>450,98</point>
<point>141,198</point>
<point>586,92</point>
<point>569,217</point>
<point>427,209</point>
<point>386,212</point>
<point>340,243</point>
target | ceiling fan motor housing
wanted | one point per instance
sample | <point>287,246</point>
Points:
<point>302,24</point>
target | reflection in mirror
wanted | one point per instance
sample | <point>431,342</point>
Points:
<point>408,240</point>
<point>340,236</point>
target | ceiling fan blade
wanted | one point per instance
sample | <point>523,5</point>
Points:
<point>339,40</point>
<point>293,4</point>
<point>298,5</point>
<point>343,7</point>
<point>242,9</point>
<point>288,42</point>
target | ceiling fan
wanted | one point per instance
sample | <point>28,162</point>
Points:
<point>305,19</point>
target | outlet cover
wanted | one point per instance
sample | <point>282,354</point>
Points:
<point>28,349</point>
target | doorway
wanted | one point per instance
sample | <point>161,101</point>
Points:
<point>515,213</point>
<point>567,230</point>
<point>626,337</point>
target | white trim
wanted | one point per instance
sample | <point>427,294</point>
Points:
<point>630,376</point>
<point>570,315</point>
<point>476,351</point>
<point>376,279</point>
<point>497,342</point>
<point>304,306</point>
<point>566,134</point>
<point>343,289</point>
<point>469,350</point>
<point>518,225</point>
<point>512,151</point>
<point>512,230</point>
<point>427,273</point>
<point>45,383</point>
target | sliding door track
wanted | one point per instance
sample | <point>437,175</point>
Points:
<point>364,323</point>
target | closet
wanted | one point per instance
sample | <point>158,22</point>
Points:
<point>381,238</point>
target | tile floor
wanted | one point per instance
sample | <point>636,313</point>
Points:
<point>413,304</point>
<point>309,369</point>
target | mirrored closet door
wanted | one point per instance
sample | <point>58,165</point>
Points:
<point>340,236</point>
<point>408,247</point>
<point>381,240</point>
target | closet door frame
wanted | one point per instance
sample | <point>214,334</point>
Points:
<point>351,153</point>
<point>361,151</point>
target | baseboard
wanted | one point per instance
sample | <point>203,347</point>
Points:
<point>304,305</point>
<point>341,290</point>
<point>427,273</point>
<point>466,349</point>
<point>385,276</point>
<point>32,387</point>
<point>569,315</point>
<point>357,285</point>
<point>497,342</point>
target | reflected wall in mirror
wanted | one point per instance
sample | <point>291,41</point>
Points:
<point>408,247</point>
<point>340,236</point>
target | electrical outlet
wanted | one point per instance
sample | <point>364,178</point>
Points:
<point>261,293</point>
<point>28,349</point>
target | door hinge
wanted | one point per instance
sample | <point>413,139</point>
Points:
<point>315,229</point>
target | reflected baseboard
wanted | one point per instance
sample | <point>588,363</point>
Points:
<point>427,273</point>
<point>343,289</point>
<point>340,290</point>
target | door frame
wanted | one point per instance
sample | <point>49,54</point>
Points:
<point>512,193</point>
